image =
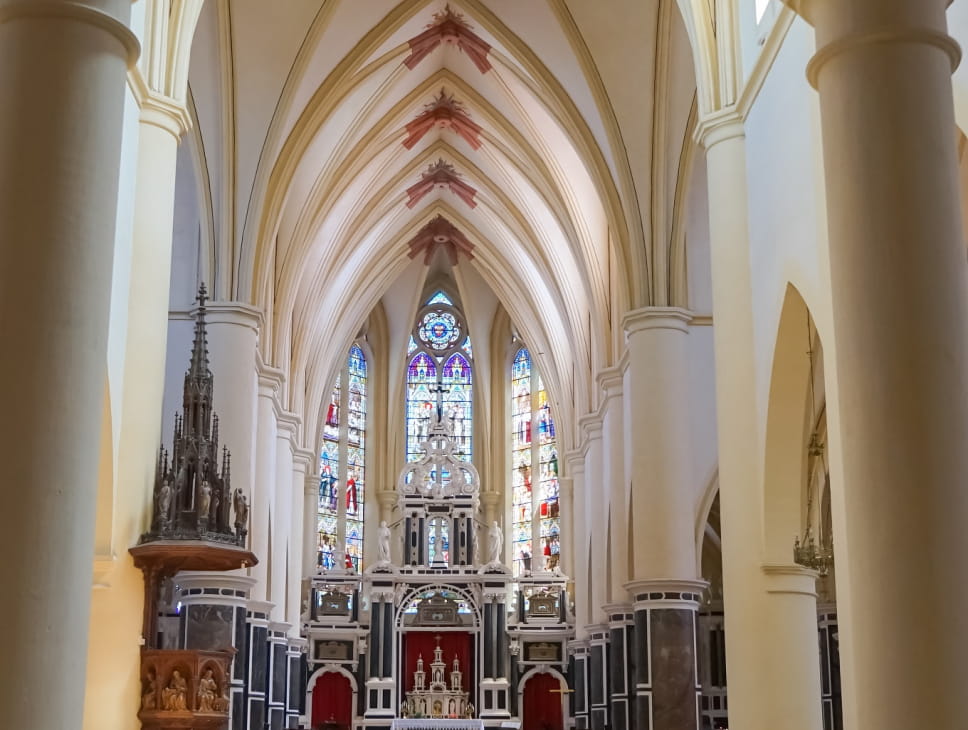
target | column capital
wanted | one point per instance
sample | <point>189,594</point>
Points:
<point>270,379</point>
<point>575,461</point>
<point>895,34</point>
<point>790,578</point>
<point>667,592</point>
<point>611,381</point>
<point>303,458</point>
<point>160,111</point>
<point>591,426</point>
<point>720,126</point>
<point>78,12</point>
<point>287,426</point>
<point>311,484</point>
<point>387,498</point>
<point>649,318</point>
<point>216,313</point>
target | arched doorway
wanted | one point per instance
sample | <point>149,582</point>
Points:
<point>332,701</point>
<point>542,700</point>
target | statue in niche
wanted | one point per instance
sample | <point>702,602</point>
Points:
<point>469,711</point>
<point>207,692</point>
<point>204,501</point>
<point>164,504</point>
<point>241,505</point>
<point>149,699</point>
<point>384,543</point>
<point>174,696</point>
<point>495,541</point>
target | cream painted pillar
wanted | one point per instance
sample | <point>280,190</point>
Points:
<point>772,683</point>
<point>595,499</point>
<point>302,463</point>
<point>116,607</point>
<point>613,489</point>
<point>900,318</point>
<point>287,426</point>
<point>310,516</point>
<point>578,547</point>
<point>665,588</point>
<point>270,383</point>
<point>62,87</point>
<point>566,540</point>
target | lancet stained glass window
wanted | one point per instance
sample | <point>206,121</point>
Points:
<point>535,516</point>
<point>439,375</point>
<point>342,469</point>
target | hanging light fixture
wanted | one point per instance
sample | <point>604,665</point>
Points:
<point>811,553</point>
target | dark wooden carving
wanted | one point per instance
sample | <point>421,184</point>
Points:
<point>184,690</point>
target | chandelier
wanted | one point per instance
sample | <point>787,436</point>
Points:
<point>811,553</point>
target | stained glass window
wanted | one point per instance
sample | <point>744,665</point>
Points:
<point>535,518</point>
<point>342,469</point>
<point>521,487</point>
<point>439,375</point>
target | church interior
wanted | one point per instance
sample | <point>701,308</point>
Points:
<point>442,365</point>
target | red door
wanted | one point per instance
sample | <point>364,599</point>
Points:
<point>332,701</point>
<point>542,706</point>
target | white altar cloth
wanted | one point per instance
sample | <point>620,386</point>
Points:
<point>436,723</point>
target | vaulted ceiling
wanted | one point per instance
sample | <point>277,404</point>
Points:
<point>563,127</point>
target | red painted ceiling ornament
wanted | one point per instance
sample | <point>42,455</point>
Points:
<point>444,112</point>
<point>441,175</point>
<point>451,28</point>
<point>440,232</point>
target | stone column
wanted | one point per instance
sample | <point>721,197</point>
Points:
<point>270,383</point>
<point>764,620</point>
<point>898,291</point>
<point>62,87</point>
<point>575,462</point>
<point>287,426</point>
<point>594,501</point>
<point>613,485</point>
<point>310,516</point>
<point>140,313</point>
<point>666,589</point>
<point>303,463</point>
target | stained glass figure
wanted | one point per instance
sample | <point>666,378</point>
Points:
<point>343,469</point>
<point>521,480</point>
<point>456,382</point>
<point>535,512</point>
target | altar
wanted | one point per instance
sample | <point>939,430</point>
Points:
<point>430,723</point>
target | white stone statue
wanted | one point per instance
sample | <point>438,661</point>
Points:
<point>495,540</point>
<point>384,543</point>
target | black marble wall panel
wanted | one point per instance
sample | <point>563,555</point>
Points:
<point>386,647</point>
<point>258,659</point>
<point>238,663</point>
<point>279,669</point>
<point>673,655</point>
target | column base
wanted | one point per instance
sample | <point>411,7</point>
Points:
<point>494,699</point>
